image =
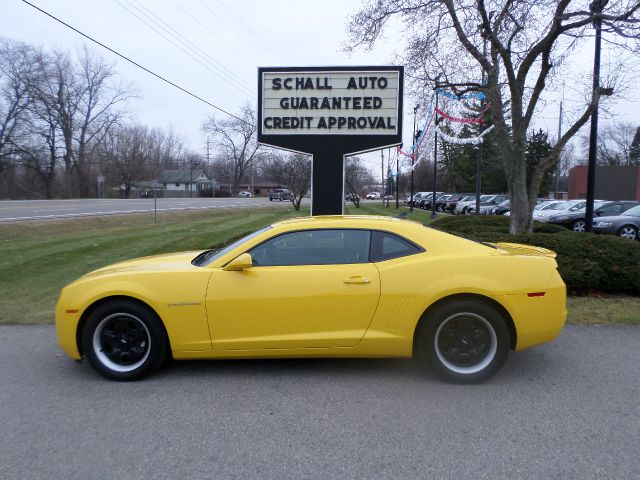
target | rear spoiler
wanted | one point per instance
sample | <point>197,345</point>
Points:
<point>520,249</point>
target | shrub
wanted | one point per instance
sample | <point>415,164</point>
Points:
<point>586,262</point>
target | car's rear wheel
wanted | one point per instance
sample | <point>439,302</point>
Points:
<point>579,226</point>
<point>465,341</point>
<point>628,231</point>
<point>124,340</point>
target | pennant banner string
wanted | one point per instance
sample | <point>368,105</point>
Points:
<point>464,96</point>
<point>479,121</point>
<point>463,141</point>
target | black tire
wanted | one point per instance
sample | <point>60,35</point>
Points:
<point>463,341</point>
<point>579,225</point>
<point>124,322</point>
<point>628,231</point>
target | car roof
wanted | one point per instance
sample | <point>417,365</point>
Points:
<point>361,220</point>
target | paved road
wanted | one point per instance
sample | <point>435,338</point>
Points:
<point>23,210</point>
<point>570,409</point>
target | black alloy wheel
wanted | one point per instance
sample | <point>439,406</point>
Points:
<point>124,340</point>
<point>465,341</point>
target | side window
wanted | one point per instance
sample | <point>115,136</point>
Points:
<point>314,247</point>
<point>385,246</point>
<point>614,209</point>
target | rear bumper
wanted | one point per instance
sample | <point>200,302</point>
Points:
<point>538,319</point>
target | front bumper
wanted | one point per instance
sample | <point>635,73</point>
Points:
<point>67,319</point>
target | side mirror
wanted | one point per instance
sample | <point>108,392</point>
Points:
<point>241,262</point>
<point>598,213</point>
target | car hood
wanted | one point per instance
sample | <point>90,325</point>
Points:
<point>548,213</point>
<point>171,261</point>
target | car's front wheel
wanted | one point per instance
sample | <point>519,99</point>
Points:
<point>124,340</point>
<point>628,231</point>
<point>465,341</point>
<point>579,226</point>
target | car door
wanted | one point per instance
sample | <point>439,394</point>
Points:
<point>307,289</point>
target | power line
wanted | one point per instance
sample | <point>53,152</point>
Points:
<point>239,20</point>
<point>189,44</point>
<point>218,72</point>
<point>244,38</point>
<point>211,32</point>
<point>134,63</point>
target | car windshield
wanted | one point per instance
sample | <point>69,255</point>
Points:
<point>504,203</point>
<point>633,212</point>
<point>551,206</point>
<point>208,256</point>
<point>564,205</point>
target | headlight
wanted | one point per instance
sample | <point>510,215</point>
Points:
<point>603,224</point>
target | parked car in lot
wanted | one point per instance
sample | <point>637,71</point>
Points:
<point>426,204</point>
<point>442,201</point>
<point>542,204</point>
<point>374,196</point>
<point>501,208</point>
<point>280,194</point>
<point>468,206</point>
<point>416,198</point>
<point>488,204</point>
<point>450,204</point>
<point>625,225</point>
<point>329,287</point>
<point>543,213</point>
<point>575,220</point>
<point>245,194</point>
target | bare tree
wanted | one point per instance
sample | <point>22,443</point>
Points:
<point>356,176</point>
<point>614,143</point>
<point>292,170</point>
<point>16,81</point>
<point>127,153</point>
<point>237,141</point>
<point>526,42</point>
<point>87,104</point>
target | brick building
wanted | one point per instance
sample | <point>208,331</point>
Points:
<point>612,182</point>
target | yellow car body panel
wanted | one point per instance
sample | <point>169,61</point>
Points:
<point>309,311</point>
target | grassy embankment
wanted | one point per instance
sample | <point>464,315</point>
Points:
<point>37,259</point>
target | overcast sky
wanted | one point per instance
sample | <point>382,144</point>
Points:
<point>227,42</point>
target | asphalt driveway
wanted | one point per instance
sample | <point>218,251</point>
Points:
<point>570,409</point>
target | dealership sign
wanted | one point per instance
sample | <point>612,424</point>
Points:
<point>330,112</point>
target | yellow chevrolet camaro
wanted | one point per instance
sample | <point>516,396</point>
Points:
<point>353,286</point>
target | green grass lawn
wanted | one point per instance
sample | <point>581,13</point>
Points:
<point>38,258</point>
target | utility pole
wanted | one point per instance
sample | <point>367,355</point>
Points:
<point>413,154</point>
<point>435,160</point>
<point>596,8</point>
<point>560,153</point>
<point>479,162</point>
<point>397,179</point>
<point>382,175</point>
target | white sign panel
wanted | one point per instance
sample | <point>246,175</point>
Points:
<point>330,103</point>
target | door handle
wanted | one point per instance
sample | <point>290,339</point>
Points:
<point>356,280</point>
